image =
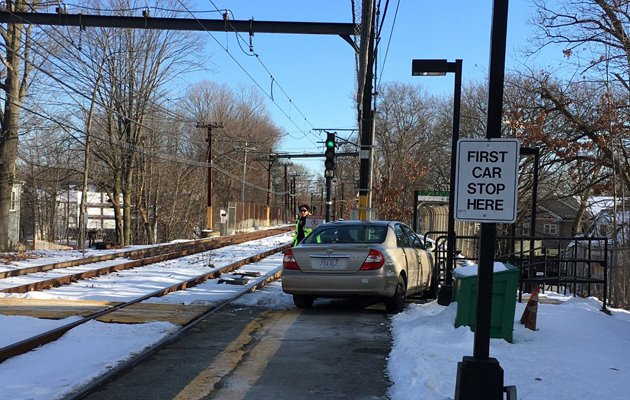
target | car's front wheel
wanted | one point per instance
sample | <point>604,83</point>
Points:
<point>396,303</point>
<point>303,301</point>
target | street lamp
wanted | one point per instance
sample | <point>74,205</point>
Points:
<point>441,68</point>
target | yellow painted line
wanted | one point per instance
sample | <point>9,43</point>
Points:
<point>238,384</point>
<point>237,367</point>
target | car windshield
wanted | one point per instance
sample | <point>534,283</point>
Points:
<point>347,234</point>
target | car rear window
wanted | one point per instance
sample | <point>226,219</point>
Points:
<point>347,234</point>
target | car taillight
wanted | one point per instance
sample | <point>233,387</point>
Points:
<point>288,261</point>
<point>374,260</point>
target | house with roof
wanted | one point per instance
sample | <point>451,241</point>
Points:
<point>611,219</point>
<point>556,219</point>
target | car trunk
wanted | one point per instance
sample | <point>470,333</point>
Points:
<point>330,258</point>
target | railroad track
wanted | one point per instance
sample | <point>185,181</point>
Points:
<point>140,258</point>
<point>178,250</point>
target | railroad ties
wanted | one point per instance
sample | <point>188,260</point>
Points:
<point>137,310</point>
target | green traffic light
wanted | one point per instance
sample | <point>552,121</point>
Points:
<point>330,140</point>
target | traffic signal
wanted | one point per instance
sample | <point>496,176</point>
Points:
<point>329,162</point>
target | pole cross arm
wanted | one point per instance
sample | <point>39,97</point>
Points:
<point>180,24</point>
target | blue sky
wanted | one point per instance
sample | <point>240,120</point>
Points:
<point>314,75</point>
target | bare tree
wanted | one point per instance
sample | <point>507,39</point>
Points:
<point>246,134</point>
<point>15,73</point>
<point>137,66</point>
<point>594,34</point>
<point>404,146</point>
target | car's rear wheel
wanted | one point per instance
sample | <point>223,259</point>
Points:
<point>396,303</point>
<point>303,301</point>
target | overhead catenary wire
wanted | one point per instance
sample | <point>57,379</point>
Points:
<point>309,134</point>
<point>247,73</point>
<point>68,128</point>
<point>73,91</point>
<point>389,41</point>
<point>159,155</point>
<point>178,117</point>
<point>274,80</point>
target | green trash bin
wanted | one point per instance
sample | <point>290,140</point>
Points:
<point>504,288</point>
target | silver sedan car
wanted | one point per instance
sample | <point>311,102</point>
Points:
<point>358,258</point>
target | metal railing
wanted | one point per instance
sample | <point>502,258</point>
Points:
<point>573,265</point>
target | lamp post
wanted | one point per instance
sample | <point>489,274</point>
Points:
<point>440,68</point>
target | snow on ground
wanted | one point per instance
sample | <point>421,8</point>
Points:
<point>577,351</point>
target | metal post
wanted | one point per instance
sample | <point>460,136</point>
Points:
<point>328,198</point>
<point>437,67</point>
<point>268,211</point>
<point>446,292</point>
<point>532,225</point>
<point>480,377</point>
<point>244,173</point>
<point>210,181</point>
<point>321,200</point>
<point>286,193</point>
<point>343,201</point>
<point>294,203</point>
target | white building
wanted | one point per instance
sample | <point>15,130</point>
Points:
<point>100,213</point>
<point>14,214</point>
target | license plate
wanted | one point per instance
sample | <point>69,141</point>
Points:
<point>329,263</point>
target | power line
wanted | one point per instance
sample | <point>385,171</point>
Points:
<point>269,95</point>
<point>389,40</point>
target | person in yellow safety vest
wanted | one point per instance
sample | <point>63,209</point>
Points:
<point>301,231</point>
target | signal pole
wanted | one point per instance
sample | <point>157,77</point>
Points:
<point>209,126</point>
<point>329,164</point>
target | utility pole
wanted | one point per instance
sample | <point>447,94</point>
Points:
<point>366,114</point>
<point>209,127</point>
<point>271,159</point>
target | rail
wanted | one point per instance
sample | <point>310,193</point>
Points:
<point>28,344</point>
<point>140,257</point>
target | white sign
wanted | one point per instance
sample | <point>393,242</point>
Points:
<point>486,180</point>
<point>313,222</point>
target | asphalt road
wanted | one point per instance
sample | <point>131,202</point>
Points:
<point>334,351</point>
